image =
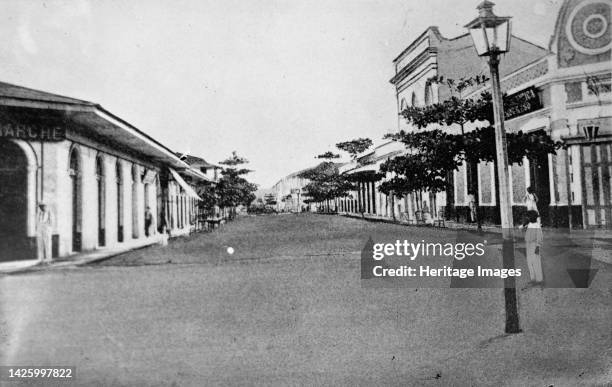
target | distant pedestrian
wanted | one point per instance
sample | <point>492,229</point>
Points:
<point>472,206</point>
<point>426,215</point>
<point>148,221</point>
<point>163,230</point>
<point>533,246</point>
<point>44,229</point>
<point>531,200</point>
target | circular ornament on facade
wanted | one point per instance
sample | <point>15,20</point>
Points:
<point>588,27</point>
<point>594,26</point>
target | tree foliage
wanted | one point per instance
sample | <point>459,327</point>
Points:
<point>456,87</point>
<point>325,180</point>
<point>452,111</point>
<point>328,155</point>
<point>233,189</point>
<point>355,147</point>
<point>208,194</point>
<point>433,153</point>
<point>325,183</point>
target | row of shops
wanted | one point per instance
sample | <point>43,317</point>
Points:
<point>565,90</point>
<point>105,183</point>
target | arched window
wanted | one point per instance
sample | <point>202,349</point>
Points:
<point>119,178</point>
<point>75,197</point>
<point>402,105</point>
<point>101,200</point>
<point>414,99</point>
<point>135,178</point>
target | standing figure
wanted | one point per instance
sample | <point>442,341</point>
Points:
<point>163,230</point>
<point>472,205</point>
<point>533,246</point>
<point>44,226</point>
<point>148,221</point>
<point>531,200</point>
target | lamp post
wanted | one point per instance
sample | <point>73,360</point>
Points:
<point>491,36</point>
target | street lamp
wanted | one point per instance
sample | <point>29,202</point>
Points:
<point>491,36</point>
<point>490,33</point>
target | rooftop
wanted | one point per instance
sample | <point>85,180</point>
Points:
<point>194,160</point>
<point>20,92</point>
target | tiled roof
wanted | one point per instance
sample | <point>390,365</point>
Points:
<point>8,90</point>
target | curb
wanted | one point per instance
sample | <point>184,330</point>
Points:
<point>604,258</point>
<point>37,267</point>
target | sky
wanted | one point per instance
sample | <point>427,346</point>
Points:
<point>277,81</point>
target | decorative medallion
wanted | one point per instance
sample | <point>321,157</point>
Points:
<point>588,27</point>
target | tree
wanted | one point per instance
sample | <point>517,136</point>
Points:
<point>328,155</point>
<point>354,147</point>
<point>456,109</point>
<point>326,183</point>
<point>210,198</point>
<point>435,153</point>
<point>233,189</point>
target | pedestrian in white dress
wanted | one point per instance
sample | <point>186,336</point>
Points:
<point>44,229</point>
<point>531,200</point>
<point>533,246</point>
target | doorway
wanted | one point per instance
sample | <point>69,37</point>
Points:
<point>597,185</point>
<point>13,202</point>
<point>75,197</point>
<point>101,201</point>
<point>540,181</point>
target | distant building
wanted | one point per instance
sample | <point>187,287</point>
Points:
<point>210,170</point>
<point>289,192</point>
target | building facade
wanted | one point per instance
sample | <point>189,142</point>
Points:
<point>289,193</point>
<point>564,90</point>
<point>96,173</point>
<point>429,56</point>
<point>567,93</point>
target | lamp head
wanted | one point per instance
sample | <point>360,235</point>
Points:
<point>490,33</point>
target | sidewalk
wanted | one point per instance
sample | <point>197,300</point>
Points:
<point>30,265</point>
<point>600,241</point>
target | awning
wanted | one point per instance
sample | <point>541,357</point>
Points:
<point>190,192</point>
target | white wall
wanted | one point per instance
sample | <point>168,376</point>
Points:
<point>57,193</point>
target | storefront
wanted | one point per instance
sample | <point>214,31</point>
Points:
<point>98,175</point>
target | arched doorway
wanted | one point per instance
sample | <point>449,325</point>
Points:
<point>101,201</point>
<point>13,202</point>
<point>75,197</point>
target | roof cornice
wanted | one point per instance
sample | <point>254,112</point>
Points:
<point>418,40</point>
<point>415,63</point>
